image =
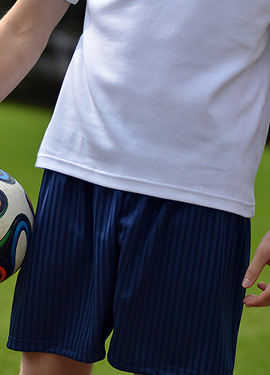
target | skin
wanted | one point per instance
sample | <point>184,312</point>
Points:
<point>24,33</point>
<point>260,260</point>
<point>46,363</point>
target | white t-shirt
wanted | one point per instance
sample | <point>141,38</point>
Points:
<point>167,98</point>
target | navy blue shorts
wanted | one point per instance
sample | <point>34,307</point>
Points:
<point>164,276</point>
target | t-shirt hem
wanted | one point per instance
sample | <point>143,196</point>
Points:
<point>145,187</point>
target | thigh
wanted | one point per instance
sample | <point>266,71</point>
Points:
<point>178,298</point>
<point>44,364</point>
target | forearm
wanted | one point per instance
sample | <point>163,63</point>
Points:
<point>23,37</point>
<point>18,57</point>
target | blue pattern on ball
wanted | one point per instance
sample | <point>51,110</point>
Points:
<point>7,178</point>
<point>22,226</point>
<point>3,203</point>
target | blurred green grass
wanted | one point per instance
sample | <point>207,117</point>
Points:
<point>22,128</point>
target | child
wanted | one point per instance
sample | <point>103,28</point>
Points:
<point>143,221</point>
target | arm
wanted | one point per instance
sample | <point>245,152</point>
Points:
<point>24,33</point>
<point>261,259</point>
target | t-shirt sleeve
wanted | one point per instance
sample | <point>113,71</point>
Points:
<point>72,1</point>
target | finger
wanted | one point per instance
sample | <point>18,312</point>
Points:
<point>261,300</point>
<point>256,301</point>
<point>254,270</point>
<point>262,286</point>
<point>261,258</point>
<point>248,299</point>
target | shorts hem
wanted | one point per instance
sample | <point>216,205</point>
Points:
<point>55,348</point>
<point>150,369</point>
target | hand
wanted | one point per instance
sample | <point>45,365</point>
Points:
<point>260,260</point>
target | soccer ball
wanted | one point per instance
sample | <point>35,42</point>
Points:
<point>16,225</point>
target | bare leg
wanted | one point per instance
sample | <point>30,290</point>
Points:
<point>52,364</point>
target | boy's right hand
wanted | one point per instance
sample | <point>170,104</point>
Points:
<point>260,260</point>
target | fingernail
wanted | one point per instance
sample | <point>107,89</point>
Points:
<point>246,282</point>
